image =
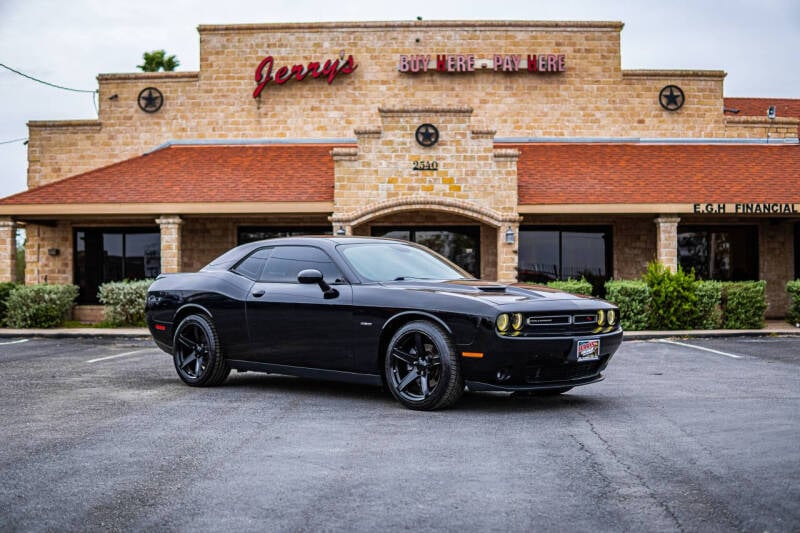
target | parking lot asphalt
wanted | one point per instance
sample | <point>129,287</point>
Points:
<point>683,435</point>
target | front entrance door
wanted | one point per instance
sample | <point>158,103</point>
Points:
<point>460,244</point>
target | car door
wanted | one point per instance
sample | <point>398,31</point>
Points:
<point>295,324</point>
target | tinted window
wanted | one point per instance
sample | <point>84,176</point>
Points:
<point>286,262</point>
<point>114,254</point>
<point>548,254</point>
<point>251,266</point>
<point>723,253</point>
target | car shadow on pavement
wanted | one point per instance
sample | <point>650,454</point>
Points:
<point>470,401</point>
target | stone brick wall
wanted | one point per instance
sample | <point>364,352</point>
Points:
<point>40,265</point>
<point>8,250</point>
<point>776,263</point>
<point>592,98</point>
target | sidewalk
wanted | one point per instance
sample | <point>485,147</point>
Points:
<point>773,327</point>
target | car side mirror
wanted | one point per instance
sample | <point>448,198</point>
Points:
<point>313,275</point>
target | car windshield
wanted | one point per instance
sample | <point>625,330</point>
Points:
<point>390,261</point>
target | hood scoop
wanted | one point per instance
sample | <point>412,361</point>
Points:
<point>493,289</point>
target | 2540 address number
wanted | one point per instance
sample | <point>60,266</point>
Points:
<point>424,165</point>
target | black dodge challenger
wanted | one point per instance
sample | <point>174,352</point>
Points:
<point>377,312</point>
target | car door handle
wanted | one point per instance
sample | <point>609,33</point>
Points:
<point>259,293</point>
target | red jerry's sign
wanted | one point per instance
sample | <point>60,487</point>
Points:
<point>328,70</point>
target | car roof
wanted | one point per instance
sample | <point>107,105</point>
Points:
<point>327,242</point>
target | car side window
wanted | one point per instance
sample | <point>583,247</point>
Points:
<point>252,265</point>
<point>286,262</point>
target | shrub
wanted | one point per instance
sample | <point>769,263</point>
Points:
<point>124,301</point>
<point>744,304</point>
<point>793,288</point>
<point>709,304</point>
<point>5,291</point>
<point>40,306</point>
<point>632,298</point>
<point>672,297</point>
<point>573,286</point>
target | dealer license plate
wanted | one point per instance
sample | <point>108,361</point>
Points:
<point>588,350</point>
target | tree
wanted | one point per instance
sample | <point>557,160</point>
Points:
<point>158,60</point>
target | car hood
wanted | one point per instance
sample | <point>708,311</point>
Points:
<point>498,294</point>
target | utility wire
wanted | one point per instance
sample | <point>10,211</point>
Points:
<point>44,82</point>
<point>14,140</point>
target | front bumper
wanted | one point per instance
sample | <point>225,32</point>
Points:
<point>535,363</point>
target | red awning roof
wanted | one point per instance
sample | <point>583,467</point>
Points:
<point>199,174</point>
<point>259,178</point>
<point>645,173</point>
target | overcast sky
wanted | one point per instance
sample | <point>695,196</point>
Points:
<point>69,42</point>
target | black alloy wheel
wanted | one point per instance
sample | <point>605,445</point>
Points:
<point>422,368</point>
<point>196,353</point>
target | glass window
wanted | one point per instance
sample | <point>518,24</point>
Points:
<point>114,254</point>
<point>286,262</point>
<point>259,233</point>
<point>723,253</point>
<point>387,261</point>
<point>250,266</point>
<point>548,254</point>
<point>460,244</point>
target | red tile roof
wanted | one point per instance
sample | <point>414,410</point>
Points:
<point>757,107</point>
<point>199,173</point>
<point>645,173</point>
<point>549,173</point>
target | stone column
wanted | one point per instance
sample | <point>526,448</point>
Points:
<point>507,258</point>
<point>667,241</point>
<point>8,250</point>
<point>170,243</point>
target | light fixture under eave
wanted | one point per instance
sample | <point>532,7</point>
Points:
<point>341,231</point>
<point>509,236</point>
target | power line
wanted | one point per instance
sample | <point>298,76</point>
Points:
<point>44,82</point>
<point>14,140</point>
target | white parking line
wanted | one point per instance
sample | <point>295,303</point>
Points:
<point>20,341</point>
<point>117,356</point>
<point>726,354</point>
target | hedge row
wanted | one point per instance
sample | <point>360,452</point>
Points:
<point>48,306</point>
<point>124,301</point>
<point>669,301</point>
<point>793,288</point>
<point>39,306</point>
<point>572,285</point>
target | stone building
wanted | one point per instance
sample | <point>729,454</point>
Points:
<point>521,150</point>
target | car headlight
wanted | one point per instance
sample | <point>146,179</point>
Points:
<point>601,318</point>
<point>612,317</point>
<point>503,322</point>
<point>516,321</point>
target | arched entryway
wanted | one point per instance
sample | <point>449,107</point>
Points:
<point>472,237</point>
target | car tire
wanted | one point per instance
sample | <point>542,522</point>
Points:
<point>422,368</point>
<point>196,353</point>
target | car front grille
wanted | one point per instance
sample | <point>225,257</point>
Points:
<point>536,372</point>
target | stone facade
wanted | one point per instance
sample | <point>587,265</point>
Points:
<point>8,250</point>
<point>371,115</point>
<point>593,98</point>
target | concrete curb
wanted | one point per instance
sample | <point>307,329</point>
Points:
<point>70,333</point>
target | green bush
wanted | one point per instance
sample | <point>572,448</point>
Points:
<point>573,286</point>
<point>5,291</point>
<point>709,304</point>
<point>743,304</point>
<point>633,298</point>
<point>124,301</point>
<point>40,306</point>
<point>793,288</point>
<point>673,299</point>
